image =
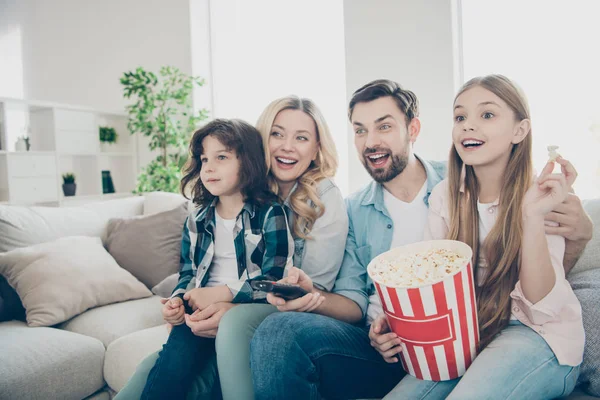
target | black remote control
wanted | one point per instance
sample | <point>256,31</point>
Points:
<point>283,290</point>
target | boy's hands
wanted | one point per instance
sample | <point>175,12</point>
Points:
<point>306,303</point>
<point>384,341</point>
<point>200,298</point>
<point>173,311</point>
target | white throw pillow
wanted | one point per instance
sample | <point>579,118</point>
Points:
<point>26,226</point>
<point>61,279</point>
<point>157,202</point>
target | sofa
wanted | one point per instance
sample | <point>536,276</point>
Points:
<point>81,357</point>
<point>92,354</point>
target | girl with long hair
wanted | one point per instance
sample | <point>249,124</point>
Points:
<point>531,331</point>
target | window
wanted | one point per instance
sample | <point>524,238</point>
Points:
<point>262,50</point>
<point>551,50</point>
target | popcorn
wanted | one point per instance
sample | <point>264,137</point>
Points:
<point>552,154</point>
<point>418,269</point>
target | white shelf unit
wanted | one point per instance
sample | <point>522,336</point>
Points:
<point>64,139</point>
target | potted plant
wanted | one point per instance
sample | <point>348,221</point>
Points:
<point>108,136</point>
<point>162,110</point>
<point>69,187</point>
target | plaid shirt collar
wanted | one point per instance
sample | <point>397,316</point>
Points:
<point>207,216</point>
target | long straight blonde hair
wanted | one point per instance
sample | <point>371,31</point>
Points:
<point>324,165</point>
<point>501,247</point>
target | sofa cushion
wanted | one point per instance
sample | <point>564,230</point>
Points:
<point>124,354</point>
<point>48,363</point>
<point>166,286</point>
<point>148,246</point>
<point>157,202</point>
<point>26,226</point>
<point>60,279</point>
<point>590,258</point>
<point>586,286</point>
<point>110,322</point>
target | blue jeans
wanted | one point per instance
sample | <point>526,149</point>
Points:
<point>178,362</point>
<point>517,364</point>
<point>306,356</point>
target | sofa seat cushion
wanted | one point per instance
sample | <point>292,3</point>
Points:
<point>586,286</point>
<point>48,363</point>
<point>124,354</point>
<point>112,321</point>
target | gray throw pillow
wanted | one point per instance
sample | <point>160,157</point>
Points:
<point>586,286</point>
<point>591,254</point>
<point>148,246</point>
<point>166,286</point>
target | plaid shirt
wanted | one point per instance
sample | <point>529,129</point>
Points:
<point>263,246</point>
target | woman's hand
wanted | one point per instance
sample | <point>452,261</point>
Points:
<point>205,323</point>
<point>386,343</point>
<point>547,192</point>
<point>306,303</point>
<point>201,298</point>
<point>173,311</point>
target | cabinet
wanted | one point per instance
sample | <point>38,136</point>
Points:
<point>63,139</point>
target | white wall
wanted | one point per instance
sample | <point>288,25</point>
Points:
<point>265,49</point>
<point>411,43</point>
<point>74,52</point>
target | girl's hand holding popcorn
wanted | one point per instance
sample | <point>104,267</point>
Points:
<point>547,192</point>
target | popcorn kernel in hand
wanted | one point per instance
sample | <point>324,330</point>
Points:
<point>552,154</point>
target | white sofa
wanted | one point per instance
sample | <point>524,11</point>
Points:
<point>80,358</point>
<point>93,355</point>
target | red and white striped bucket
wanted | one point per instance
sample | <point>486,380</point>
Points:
<point>437,323</point>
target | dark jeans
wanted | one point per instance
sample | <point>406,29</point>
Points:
<point>178,362</point>
<point>306,356</point>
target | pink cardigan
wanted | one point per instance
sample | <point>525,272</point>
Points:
<point>556,317</point>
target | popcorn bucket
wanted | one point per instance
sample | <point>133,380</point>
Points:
<point>437,322</point>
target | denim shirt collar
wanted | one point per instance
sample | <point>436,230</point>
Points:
<point>374,195</point>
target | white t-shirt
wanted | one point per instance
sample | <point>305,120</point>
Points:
<point>223,269</point>
<point>409,220</point>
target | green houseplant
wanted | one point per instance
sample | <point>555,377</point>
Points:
<point>162,110</point>
<point>108,136</point>
<point>69,187</point>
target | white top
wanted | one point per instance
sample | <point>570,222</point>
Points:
<point>409,220</point>
<point>223,269</point>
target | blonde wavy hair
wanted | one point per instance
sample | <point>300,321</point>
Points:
<point>304,201</point>
<point>501,247</point>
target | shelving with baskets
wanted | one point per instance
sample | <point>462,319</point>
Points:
<point>63,139</point>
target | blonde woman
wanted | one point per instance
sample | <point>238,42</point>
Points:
<point>302,159</point>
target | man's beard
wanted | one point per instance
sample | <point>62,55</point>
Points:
<point>383,175</point>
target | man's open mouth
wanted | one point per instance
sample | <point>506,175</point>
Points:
<point>377,159</point>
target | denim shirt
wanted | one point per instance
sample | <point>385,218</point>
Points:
<point>370,233</point>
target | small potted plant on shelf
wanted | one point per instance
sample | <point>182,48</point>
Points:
<point>69,185</point>
<point>108,136</point>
